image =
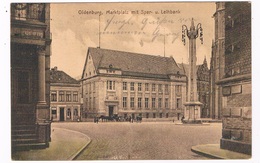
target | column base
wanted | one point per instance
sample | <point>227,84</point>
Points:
<point>42,112</point>
<point>44,132</point>
<point>41,105</point>
<point>192,113</point>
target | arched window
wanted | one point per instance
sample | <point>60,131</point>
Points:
<point>69,113</point>
<point>75,112</point>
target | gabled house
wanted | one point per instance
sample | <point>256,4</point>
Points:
<point>64,96</point>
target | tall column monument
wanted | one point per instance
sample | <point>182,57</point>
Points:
<point>192,106</point>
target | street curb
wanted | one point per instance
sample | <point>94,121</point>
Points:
<point>218,153</point>
<point>190,124</point>
<point>76,154</point>
<point>205,154</point>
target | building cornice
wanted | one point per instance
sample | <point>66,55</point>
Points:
<point>64,84</point>
<point>234,79</point>
<point>135,77</point>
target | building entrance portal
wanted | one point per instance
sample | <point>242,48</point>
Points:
<point>61,114</point>
<point>110,111</point>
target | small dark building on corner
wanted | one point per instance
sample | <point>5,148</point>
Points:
<point>30,64</point>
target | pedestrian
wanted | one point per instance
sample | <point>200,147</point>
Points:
<point>173,120</point>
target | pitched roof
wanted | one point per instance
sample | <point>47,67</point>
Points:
<point>57,76</point>
<point>134,64</point>
<point>185,67</point>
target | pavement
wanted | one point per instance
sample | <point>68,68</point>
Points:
<point>65,145</point>
<point>214,151</point>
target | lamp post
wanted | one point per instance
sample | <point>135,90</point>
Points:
<point>192,106</point>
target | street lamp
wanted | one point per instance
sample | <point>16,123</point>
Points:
<point>192,32</point>
<point>192,106</point>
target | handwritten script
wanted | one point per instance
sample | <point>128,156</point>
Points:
<point>118,22</point>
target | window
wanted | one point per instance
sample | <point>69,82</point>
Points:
<point>54,113</point>
<point>90,103</point>
<point>160,88</point>
<point>166,103</point>
<point>159,102</point>
<point>68,96</point>
<point>94,102</point>
<point>146,102</point>
<point>147,115</point>
<point>161,114</point>
<point>139,86</point>
<point>178,88</point>
<point>166,88</point>
<point>124,102</point>
<point>87,102</point>
<point>132,102</point>
<point>94,86</point>
<point>132,86</point>
<point>153,87</point>
<point>68,113</point>
<point>146,86</point>
<point>154,115</point>
<point>153,102</point>
<point>75,96</point>
<point>178,103</point>
<point>139,102</point>
<point>110,85</point>
<point>75,112</point>
<point>167,115</point>
<point>124,85</point>
<point>61,96</point>
<point>53,96</point>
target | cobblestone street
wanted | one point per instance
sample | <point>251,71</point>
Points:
<point>143,141</point>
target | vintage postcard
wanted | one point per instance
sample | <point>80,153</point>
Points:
<point>131,81</point>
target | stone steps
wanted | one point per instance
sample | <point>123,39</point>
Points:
<point>24,137</point>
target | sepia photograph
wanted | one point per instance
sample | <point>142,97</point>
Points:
<point>130,81</point>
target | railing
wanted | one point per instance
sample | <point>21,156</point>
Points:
<point>28,11</point>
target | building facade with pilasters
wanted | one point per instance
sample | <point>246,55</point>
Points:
<point>30,64</point>
<point>131,84</point>
<point>64,97</point>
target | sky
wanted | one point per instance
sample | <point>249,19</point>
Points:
<point>147,28</point>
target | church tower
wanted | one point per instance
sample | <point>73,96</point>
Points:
<point>217,61</point>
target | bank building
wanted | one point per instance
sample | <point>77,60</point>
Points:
<point>132,84</point>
